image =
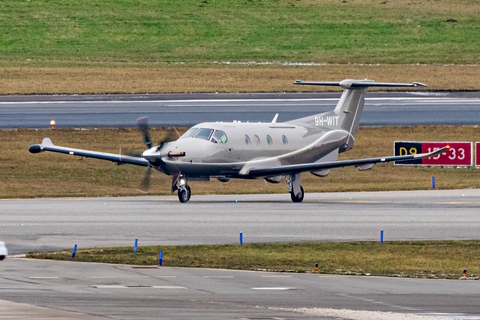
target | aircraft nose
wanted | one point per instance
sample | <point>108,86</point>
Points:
<point>151,154</point>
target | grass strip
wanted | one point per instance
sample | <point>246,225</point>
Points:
<point>99,78</point>
<point>414,259</point>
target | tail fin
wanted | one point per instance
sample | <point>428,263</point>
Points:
<point>347,113</point>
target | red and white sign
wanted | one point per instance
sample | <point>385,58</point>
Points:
<point>458,154</point>
<point>477,154</point>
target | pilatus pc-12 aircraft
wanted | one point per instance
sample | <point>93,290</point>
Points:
<point>268,150</point>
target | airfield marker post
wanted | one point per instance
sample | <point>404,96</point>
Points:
<point>135,245</point>
<point>381,236</point>
<point>160,257</point>
<point>433,182</point>
<point>74,251</point>
<point>241,238</point>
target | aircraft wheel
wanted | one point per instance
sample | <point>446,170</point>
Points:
<point>297,197</point>
<point>184,194</point>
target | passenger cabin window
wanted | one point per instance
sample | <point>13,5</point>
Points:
<point>203,134</point>
<point>269,140</point>
<point>219,137</point>
<point>284,140</point>
<point>257,140</point>
<point>247,140</point>
<point>189,133</point>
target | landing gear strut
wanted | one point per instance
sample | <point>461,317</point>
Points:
<point>184,191</point>
<point>295,188</point>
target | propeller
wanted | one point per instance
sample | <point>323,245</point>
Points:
<point>145,185</point>
<point>142,124</point>
<point>171,134</point>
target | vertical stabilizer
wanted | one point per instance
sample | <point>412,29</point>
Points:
<point>347,113</point>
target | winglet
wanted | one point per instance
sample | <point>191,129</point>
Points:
<point>37,148</point>
<point>47,142</point>
<point>431,154</point>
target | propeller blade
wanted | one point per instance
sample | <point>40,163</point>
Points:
<point>142,124</point>
<point>146,179</point>
<point>171,134</point>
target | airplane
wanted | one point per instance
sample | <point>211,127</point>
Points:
<point>249,150</point>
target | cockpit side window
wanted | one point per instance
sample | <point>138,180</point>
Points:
<point>189,133</point>
<point>219,137</point>
<point>203,134</point>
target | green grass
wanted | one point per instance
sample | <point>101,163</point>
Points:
<point>418,259</point>
<point>330,31</point>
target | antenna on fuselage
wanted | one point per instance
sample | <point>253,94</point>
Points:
<point>275,118</point>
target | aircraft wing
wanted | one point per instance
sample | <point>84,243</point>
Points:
<point>365,163</point>
<point>47,145</point>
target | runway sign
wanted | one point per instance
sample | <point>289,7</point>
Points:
<point>459,154</point>
<point>477,154</point>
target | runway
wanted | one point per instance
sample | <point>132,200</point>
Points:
<point>69,290</point>
<point>50,224</point>
<point>381,108</point>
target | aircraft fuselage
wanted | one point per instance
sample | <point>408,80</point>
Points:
<point>245,144</point>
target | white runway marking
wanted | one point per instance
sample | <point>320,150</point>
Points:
<point>274,288</point>
<point>110,286</point>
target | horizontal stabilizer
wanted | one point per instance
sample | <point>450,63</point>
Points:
<point>358,84</point>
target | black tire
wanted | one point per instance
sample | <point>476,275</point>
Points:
<point>2,257</point>
<point>184,195</point>
<point>298,197</point>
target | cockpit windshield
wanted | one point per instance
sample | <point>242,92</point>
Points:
<point>189,133</point>
<point>215,136</point>
<point>203,134</point>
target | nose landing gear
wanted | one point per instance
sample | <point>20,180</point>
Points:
<point>184,194</point>
<point>184,191</point>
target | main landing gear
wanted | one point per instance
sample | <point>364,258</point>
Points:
<point>296,190</point>
<point>184,191</point>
